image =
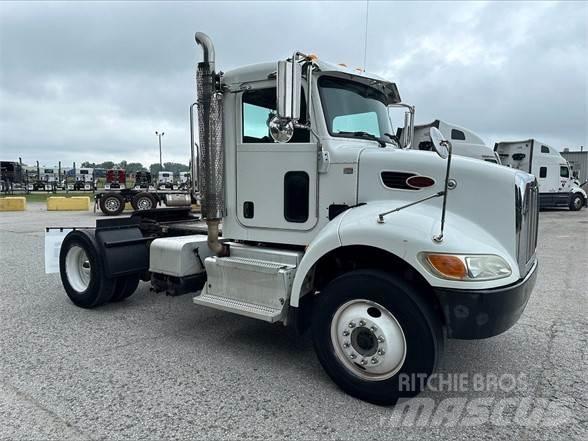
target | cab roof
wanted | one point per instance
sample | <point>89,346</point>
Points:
<point>262,71</point>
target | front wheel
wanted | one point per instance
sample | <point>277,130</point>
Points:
<point>375,336</point>
<point>577,202</point>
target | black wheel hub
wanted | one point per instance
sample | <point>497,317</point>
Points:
<point>364,341</point>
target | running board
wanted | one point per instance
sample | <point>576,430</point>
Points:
<point>253,281</point>
<point>238,307</point>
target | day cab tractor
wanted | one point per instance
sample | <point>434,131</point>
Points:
<point>315,217</point>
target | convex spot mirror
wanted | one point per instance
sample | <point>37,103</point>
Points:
<point>280,129</point>
<point>440,144</point>
<point>289,86</point>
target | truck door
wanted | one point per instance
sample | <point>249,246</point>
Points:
<point>276,182</point>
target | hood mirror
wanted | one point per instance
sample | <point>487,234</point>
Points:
<point>440,144</point>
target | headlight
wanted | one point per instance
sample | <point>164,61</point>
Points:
<point>466,267</point>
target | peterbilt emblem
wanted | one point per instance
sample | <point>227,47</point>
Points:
<point>420,182</point>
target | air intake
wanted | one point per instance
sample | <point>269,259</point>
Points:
<point>397,180</point>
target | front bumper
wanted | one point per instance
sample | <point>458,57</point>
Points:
<point>474,314</point>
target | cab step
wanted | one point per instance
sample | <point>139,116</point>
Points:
<point>253,281</point>
<point>238,307</point>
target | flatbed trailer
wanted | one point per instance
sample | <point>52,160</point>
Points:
<point>112,201</point>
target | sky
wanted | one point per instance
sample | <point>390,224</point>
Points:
<point>94,81</point>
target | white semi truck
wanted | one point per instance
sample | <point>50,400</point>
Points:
<point>463,141</point>
<point>557,186</point>
<point>314,218</point>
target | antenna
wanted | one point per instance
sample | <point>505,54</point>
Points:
<point>365,39</point>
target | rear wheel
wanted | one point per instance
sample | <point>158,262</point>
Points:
<point>125,287</point>
<point>577,202</point>
<point>112,204</point>
<point>82,272</point>
<point>375,337</point>
<point>143,201</point>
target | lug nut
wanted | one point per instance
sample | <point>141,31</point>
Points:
<point>345,345</point>
<point>363,362</point>
<point>352,356</point>
<point>373,329</point>
<point>345,333</point>
<point>361,323</point>
<point>352,324</point>
<point>381,352</point>
<point>380,339</point>
<point>374,360</point>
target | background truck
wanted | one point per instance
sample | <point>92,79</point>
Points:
<point>12,177</point>
<point>314,218</point>
<point>115,179</point>
<point>142,180</point>
<point>464,141</point>
<point>557,186</point>
<point>84,180</point>
<point>165,179</point>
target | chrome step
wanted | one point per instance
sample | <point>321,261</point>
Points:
<point>239,307</point>
<point>255,282</point>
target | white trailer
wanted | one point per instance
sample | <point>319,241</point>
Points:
<point>313,218</point>
<point>557,186</point>
<point>464,141</point>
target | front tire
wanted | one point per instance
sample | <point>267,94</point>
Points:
<point>577,202</point>
<point>375,336</point>
<point>82,272</point>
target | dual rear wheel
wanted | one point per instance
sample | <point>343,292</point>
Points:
<point>83,276</point>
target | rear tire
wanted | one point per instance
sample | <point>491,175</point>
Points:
<point>82,272</point>
<point>143,201</point>
<point>375,336</point>
<point>125,287</point>
<point>112,204</point>
<point>577,202</point>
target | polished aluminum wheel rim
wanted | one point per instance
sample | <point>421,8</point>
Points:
<point>77,268</point>
<point>368,340</point>
<point>144,204</point>
<point>112,204</point>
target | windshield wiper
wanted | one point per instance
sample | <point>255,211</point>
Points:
<point>365,135</point>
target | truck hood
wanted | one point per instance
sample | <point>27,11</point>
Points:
<point>484,192</point>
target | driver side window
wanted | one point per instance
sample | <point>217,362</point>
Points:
<point>257,109</point>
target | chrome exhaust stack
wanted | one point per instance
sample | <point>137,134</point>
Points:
<point>211,159</point>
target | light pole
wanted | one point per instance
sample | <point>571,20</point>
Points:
<point>159,135</point>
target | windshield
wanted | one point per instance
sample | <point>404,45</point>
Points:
<point>351,107</point>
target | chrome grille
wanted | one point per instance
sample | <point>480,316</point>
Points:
<point>527,220</point>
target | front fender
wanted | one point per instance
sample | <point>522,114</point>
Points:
<point>405,234</point>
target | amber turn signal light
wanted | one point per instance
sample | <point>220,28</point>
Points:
<point>448,266</point>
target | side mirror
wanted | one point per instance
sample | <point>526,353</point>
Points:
<point>440,144</point>
<point>289,85</point>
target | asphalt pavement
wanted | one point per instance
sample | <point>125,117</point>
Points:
<point>156,367</point>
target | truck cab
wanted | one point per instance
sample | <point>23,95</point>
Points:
<point>84,179</point>
<point>557,186</point>
<point>115,179</point>
<point>314,216</point>
<point>165,179</point>
<point>464,141</point>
